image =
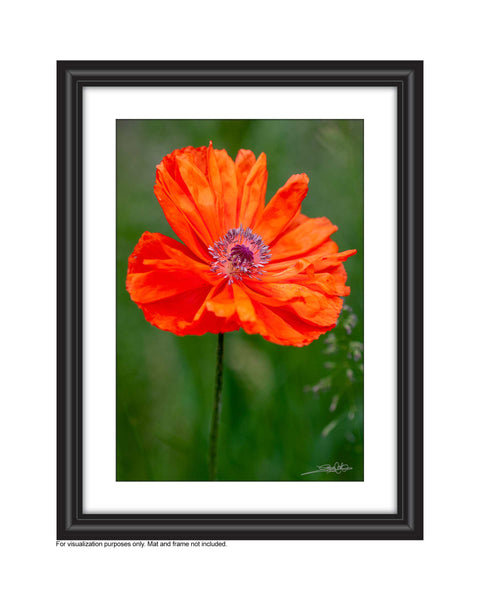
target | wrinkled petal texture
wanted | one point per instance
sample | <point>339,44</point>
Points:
<point>204,194</point>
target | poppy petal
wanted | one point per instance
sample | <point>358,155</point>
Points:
<point>243,304</point>
<point>220,301</point>
<point>303,239</point>
<point>201,196</point>
<point>298,220</point>
<point>323,258</point>
<point>177,314</point>
<point>216,185</point>
<point>153,247</point>
<point>160,267</point>
<point>244,162</point>
<point>253,198</point>
<point>228,178</point>
<point>282,208</point>
<point>181,214</point>
<point>308,304</point>
<point>279,327</point>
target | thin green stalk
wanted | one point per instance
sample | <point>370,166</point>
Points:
<point>217,406</point>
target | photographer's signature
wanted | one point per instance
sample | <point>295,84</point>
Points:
<point>336,468</point>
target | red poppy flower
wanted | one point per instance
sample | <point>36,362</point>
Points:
<point>268,269</point>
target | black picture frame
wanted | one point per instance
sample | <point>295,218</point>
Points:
<point>407,523</point>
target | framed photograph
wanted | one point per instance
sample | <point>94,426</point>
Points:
<point>240,298</point>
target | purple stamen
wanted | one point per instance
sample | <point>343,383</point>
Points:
<point>239,253</point>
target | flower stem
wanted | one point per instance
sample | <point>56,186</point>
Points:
<point>217,406</point>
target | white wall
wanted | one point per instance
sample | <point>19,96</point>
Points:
<point>34,35</point>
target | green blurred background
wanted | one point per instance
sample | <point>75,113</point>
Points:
<point>285,410</point>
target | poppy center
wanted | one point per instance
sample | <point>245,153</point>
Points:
<point>239,253</point>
